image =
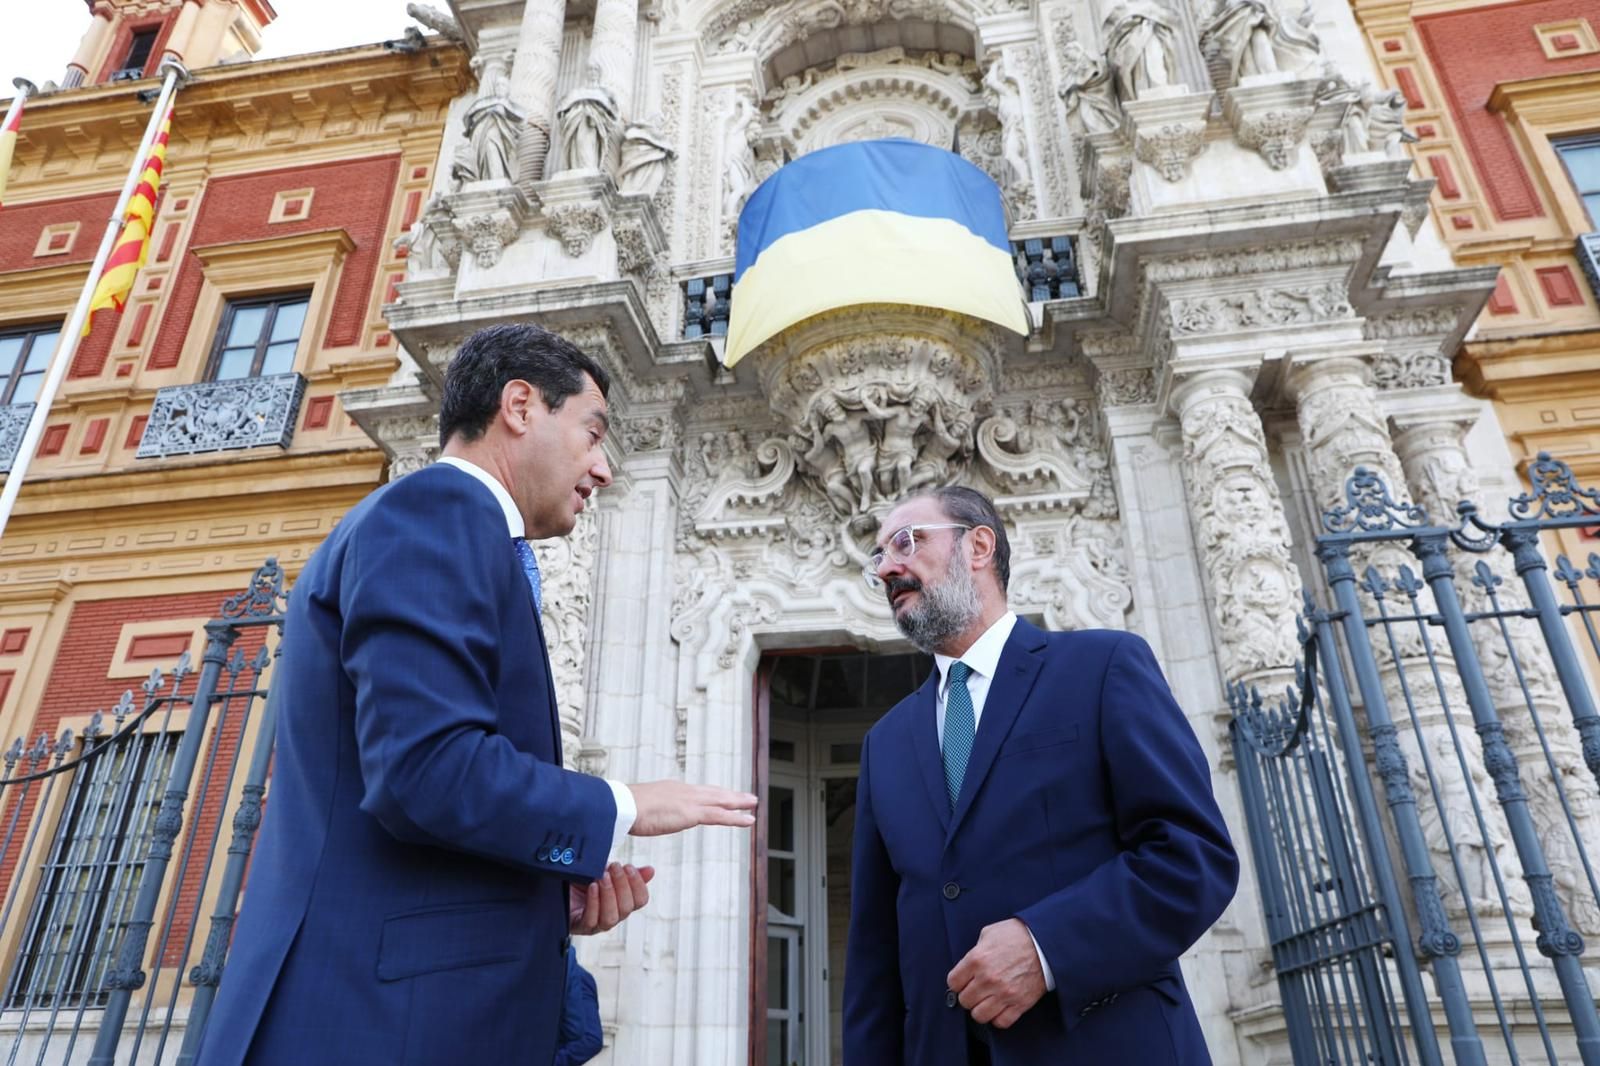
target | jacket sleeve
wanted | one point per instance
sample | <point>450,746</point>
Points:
<point>420,597</point>
<point>874,1003</point>
<point>1133,916</point>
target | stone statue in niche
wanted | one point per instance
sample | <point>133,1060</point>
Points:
<point>946,441</point>
<point>588,118</point>
<point>738,155</point>
<point>1140,45</point>
<point>1090,93</point>
<point>793,85</point>
<point>901,412</point>
<point>644,161</point>
<point>492,124</point>
<point>1004,95</point>
<point>1253,38</point>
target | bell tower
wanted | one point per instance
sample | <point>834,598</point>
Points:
<point>127,39</point>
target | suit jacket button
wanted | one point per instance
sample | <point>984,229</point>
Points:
<point>949,997</point>
<point>566,857</point>
<point>951,890</point>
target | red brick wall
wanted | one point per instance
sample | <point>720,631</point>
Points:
<point>354,195</point>
<point>78,686</point>
<point>1472,51</point>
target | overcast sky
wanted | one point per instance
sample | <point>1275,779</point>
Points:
<point>37,46</point>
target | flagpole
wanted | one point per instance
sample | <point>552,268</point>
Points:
<point>25,89</point>
<point>67,347</point>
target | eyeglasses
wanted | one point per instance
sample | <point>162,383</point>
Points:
<point>899,548</point>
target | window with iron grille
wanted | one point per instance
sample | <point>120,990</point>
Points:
<point>24,357</point>
<point>89,876</point>
<point>258,337</point>
<point>1582,158</point>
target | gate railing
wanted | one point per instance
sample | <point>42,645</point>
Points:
<point>109,842</point>
<point>1445,631</point>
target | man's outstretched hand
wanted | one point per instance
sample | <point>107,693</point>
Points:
<point>673,806</point>
<point>602,905</point>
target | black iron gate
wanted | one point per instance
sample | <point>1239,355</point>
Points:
<point>1463,901</point>
<point>104,891</point>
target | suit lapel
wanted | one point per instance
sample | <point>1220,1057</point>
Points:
<point>544,657</point>
<point>925,743</point>
<point>1013,679</point>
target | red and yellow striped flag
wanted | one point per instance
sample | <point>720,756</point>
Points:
<point>8,145</point>
<point>133,245</point>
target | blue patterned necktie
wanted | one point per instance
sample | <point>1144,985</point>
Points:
<point>530,567</point>
<point>960,726</point>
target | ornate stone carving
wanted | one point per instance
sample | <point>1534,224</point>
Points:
<point>576,226</point>
<point>1141,47</point>
<point>1003,92</point>
<point>1275,134</point>
<point>738,155</point>
<point>1126,388</point>
<point>1250,37</point>
<point>1048,449</point>
<point>1364,119</point>
<point>1170,147</point>
<point>1342,426</point>
<point>880,413</point>
<point>1259,308</point>
<point>1412,322</point>
<point>1271,259</point>
<point>568,565</point>
<point>648,433</point>
<point>487,233</point>
<point>1411,369</point>
<point>1239,525</point>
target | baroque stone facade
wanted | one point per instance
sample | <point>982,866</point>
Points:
<point>1255,315</point>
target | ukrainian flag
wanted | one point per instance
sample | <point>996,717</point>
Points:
<point>874,222</point>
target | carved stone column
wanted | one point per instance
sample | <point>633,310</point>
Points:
<point>1342,425</point>
<point>1239,522</point>
<point>616,33</point>
<point>533,80</point>
<point>1430,423</point>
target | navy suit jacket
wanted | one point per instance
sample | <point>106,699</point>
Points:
<point>581,1036</point>
<point>407,900</point>
<point>1086,811</point>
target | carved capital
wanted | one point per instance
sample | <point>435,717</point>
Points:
<point>1170,148</point>
<point>576,226</point>
<point>1274,134</point>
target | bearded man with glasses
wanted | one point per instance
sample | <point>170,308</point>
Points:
<point>1036,842</point>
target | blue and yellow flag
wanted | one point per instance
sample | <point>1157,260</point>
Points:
<point>874,222</point>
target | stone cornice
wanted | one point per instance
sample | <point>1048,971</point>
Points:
<point>246,97</point>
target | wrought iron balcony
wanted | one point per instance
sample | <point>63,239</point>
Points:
<point>1589,259</point>
<point>214,416</point>
<point>1047,267</point>
<point>705,306</point>
<point>13,424</point>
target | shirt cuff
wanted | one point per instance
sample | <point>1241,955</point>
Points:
<point>1049,978</point>
<point>627,814</point>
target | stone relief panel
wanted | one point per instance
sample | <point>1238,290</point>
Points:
<point>569,566</point>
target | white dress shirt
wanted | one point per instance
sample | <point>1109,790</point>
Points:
<point>627,809</point>
<point>983,659</point>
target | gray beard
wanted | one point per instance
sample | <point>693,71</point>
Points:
<point>944,610</point>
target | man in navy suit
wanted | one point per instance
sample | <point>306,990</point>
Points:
<point>425,855</point>
<point>1036,842</point>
